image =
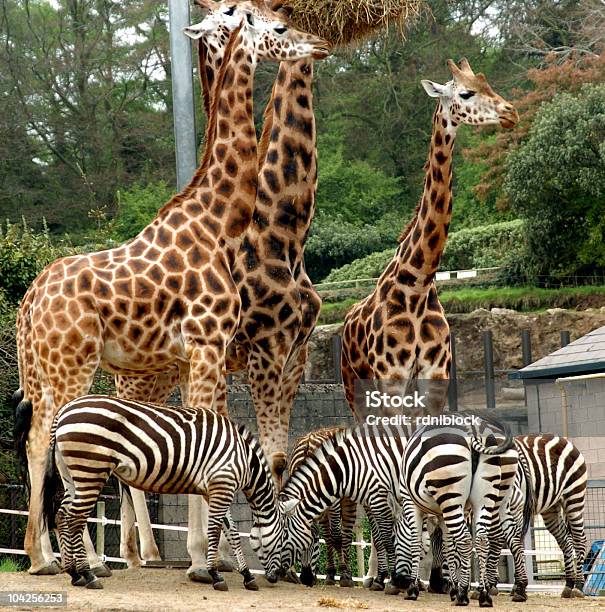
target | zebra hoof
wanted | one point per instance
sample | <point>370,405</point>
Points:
<point>220,585</point>
<point>224,565</point>
<point>368,582</point>
<point>346,582</point>
<point>575,592</point>
<point>413,593</point>
<point>519,597</point>
<point>391,589</point>
<point>566,594</point>
<point>493,591</point>
<point>308,578</point>
<point>78,580</point>
<point>329,581</point>
<point>421,586</point>
<point>485,600</point>
<point>462,598</point>
<point>251,585</point>
<point>94,584</point>
<point>377,586</point>
<point>474,594</point>
<point>101,571</point>
<point>51,569</point>
<point>199,574</point>
<point>291,576</point>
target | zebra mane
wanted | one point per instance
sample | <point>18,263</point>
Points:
<point>254,446</point>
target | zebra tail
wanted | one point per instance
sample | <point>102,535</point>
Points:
<point>530,498</point>
<point>22,422</point>
<point>497,449</point>
<point>52,487</point>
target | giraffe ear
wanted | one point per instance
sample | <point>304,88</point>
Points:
<point>279,7</point>
<point>195,31</point>
<point>433,89</point>
<point>211,5</point>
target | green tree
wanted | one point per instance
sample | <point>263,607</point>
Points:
<point>556,182</point>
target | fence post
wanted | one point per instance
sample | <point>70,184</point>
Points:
<point>100,547</point>
<point>452,391</point>
<point>565,338</point>
<point>526,347</point>
<point>336,351</point>
<point>529,545</point>
<point>488,353</point>
<point>361,562</point>
<point>13,519</point>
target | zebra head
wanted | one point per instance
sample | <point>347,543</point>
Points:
<point>297,534</point>
<point>309,559</point>
<point>265,541</point>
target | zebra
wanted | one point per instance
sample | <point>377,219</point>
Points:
<point>161,450</point>
<point>444,470</point>
<point>337,522</point>
<point>359,463</point>
<point>552,482</point>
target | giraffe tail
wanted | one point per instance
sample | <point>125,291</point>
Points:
<point>22,423</point>
<point>52,487</point>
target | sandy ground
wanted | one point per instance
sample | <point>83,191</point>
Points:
<point>169,589</point>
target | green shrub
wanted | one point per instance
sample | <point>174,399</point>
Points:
<point>137,207</point>
<point>23,255</point>
<point>556,182</point>
<point>481,247</point>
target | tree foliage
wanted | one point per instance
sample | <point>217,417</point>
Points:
<point>556,182</point>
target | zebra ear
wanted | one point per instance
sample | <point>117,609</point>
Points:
<point>288,506</point>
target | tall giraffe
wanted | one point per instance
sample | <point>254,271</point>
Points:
<point>165,298</point>
<point>399,332</point>
<point>279,304</point>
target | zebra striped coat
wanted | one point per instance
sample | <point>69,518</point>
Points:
<point>161,450</point>
<point>445,470</point>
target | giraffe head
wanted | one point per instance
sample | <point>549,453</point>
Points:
<point>267,23</point>
<point>468,98</point>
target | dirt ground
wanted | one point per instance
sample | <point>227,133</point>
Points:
<point>169,589</point>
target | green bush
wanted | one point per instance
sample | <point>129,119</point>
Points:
<point>137,207</point>
<point>23,255</point>
<point>480,247</point>
<point>556,182</point>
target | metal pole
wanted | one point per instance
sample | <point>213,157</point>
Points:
<point>182,93</point>
<point>337,350</point>
<point>488,351</point>
<point>361,564</point>
<point>565,338</point>
<point>452,391</point>
<point>100,529</point>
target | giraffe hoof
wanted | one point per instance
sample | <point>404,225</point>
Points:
<point>367,582</point>
<point>224,565</point>
<point>577,593</point>
<point>421,586</point>
<point>101,571</point>
<point>346,582</point>
<point>474,594</point>
<point>199,574</point>
<point>391,589</point>
<point>220,585</point>
<point>94,584</point>
<point>51,569</point>
<point>251,585</point>
<point>566,594</point>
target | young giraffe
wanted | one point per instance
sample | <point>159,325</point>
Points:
<point>279,304</point>
<point>165,298</point>
<point>399,332</point>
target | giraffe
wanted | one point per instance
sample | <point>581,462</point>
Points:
<point>166,299</point>
<point>399,332</point>
<point>279,304</point>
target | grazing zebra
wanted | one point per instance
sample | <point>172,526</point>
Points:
<point>444,470</point>
<point>552,481</point>
<point>337,522</point>
<point>162,450</point>
<point>361,464</point>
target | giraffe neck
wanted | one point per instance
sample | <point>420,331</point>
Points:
<point>287,157</point>
<point>226,180</point>
<point>423,242</point>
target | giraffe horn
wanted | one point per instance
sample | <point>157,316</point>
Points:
<point>465,66</point>
<point>456,72</point>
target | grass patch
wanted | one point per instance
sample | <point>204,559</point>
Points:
<point>522,299</point>
<point>7,564</point>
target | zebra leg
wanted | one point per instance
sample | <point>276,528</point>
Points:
<point>331,529</point>
<point>381,556</point>
<point>408,533</point>
<point>232,535</point>
<point>510,524</point>
<point>574,517</point>
<point>348,516</point>
<point>483,518</point>
<point>554,522</point>
<point>218,507</point>
<point>462,541</point>
<point>438,582</point>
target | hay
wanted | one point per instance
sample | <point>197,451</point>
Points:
<point>346,21</point>
<point>332,602</point>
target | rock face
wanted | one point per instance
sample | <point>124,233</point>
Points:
<point>506,327</point>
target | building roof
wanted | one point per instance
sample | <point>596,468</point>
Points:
<point>582,356</point>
